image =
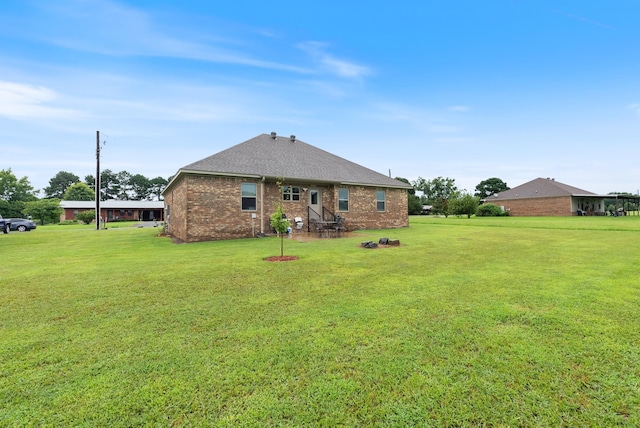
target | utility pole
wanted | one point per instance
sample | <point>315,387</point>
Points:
<point>97,180</point>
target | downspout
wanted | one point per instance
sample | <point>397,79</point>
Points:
<point>262,206</point>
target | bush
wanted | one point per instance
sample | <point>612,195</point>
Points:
<point>490,210</point>
<point>86,216</point>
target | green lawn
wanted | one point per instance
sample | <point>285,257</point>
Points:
<point>482,321</point>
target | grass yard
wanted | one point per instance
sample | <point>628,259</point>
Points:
<point>482,321</point>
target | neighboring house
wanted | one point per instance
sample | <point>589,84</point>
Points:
<point>113,210</point>
<point>233,193</point>
<point>548,197</point>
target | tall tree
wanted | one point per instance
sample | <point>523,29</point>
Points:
<point>79,192</point>
<point>13,189</point>
<point>14,193</point>
<point>438,192</point>
<point>124,181</point>
<point>109,185</point>
<point>489,187</point>
<point>90,180</point>
<point>157,186</point>
<point>59,183</point>
<point>140,187</point>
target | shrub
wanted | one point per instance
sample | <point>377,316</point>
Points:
<point>490,210</point>
<point>86,216</point>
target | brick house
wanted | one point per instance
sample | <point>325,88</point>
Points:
<point>548,197</point>
<point>232,194</point>
<point>113,210</point>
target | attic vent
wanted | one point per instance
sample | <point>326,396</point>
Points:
<point>273,135</point>
<point>293,138</point>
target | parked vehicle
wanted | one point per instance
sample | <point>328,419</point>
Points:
<point>21,224</point>
<point>5,225</point>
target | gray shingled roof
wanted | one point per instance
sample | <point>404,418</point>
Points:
<point>264,156</point>
<point>540,188</point>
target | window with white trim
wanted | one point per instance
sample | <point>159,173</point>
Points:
<point>380,200</point>
<point>249,196</point>
<point>343,199</point>
<point>290,193</point>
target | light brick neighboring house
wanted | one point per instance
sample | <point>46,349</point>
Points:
<point>547,197</point>
<point>113,210</point>
<point>233,193</point>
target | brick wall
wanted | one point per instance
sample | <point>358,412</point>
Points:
<point>558,206</point>
<point>204,208</point>
<point>363,212</point>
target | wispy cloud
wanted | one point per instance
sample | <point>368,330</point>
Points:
<point>333,65</point>
<point>121,30</point>
<point>458,108</point>
<point>586,20</point>
<point>20,101</point>
<point>635,107</point>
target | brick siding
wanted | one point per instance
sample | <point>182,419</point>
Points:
<point>558,206</point>
<point>203,208</point>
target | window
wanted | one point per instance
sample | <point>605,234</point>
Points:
<point>380,200</point>
<point>249,197</point>
<point>343,199</point>
<point>290,193</point>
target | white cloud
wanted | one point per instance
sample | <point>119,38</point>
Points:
<point>635,107</point>
<point>140,33</point>
<point>459,108</point>
<point>22,101</point>
<point>340,67</point>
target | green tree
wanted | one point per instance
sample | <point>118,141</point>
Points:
<point>79,192</point>
<point>139,187</point>
<point>11,209</point>
<point>124,182</point>
<point>278,220</point>
<point>109,185</point>
<point>59,184</point>
<point>86,216</point>
<point>13,189</point>
<point>45,210</point>
<point>464,204</point>
<point>414,204</point>
<point>489,187</point>
<point>157,186</point>
<point>437,192</point>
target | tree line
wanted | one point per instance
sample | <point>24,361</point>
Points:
<point>18,198</point>
<point>443,197</point>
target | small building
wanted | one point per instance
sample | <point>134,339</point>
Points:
<point>232,194</point>
<point>113,210</point>
<point>548,197</point>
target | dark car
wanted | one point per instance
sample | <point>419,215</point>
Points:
<point>22,225</point>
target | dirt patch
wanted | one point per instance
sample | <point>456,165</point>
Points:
<point>280,258</point>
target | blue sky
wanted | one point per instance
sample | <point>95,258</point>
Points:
<point>461,89</point>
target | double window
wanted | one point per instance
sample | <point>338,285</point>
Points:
<point>380,200</point>
<point>290,193</point>
<point>249,196</point>
<point>343,199</point>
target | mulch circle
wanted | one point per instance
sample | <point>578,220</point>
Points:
<point>280,258</point>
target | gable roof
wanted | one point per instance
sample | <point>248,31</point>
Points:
<point>540,188</point>
<point>273,156</point>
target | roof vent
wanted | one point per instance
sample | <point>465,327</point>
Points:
<point>273,135</point>
<point>293,138</point>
